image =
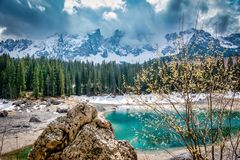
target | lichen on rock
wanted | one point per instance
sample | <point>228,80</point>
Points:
<point>80,135</point>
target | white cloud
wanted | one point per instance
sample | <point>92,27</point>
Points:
<point>96,4</point>
<point>93,4</point>
<point>109,16</point>
<point>69,6</point>
<point>203,19</point>
<point>41,8</point>
<point>238,18</point>
<point>29,4</point>
<point>2,29</point>
<point>159,5</point>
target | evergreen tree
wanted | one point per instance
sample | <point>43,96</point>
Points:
<point>29,75</point>
<point>77,84</point>
<point>56,78</point>
<point>60,81</point>
<point>47,82</point>
<point>67,84</point>
<point>10,90</point>
<point>21,80</point>
<point>53,85</point>
<point>36,84</point>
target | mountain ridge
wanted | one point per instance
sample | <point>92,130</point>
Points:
<point>95,47</point>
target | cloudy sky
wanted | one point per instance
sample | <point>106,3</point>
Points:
<point>141,20</point>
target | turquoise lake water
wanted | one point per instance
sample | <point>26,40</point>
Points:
<point>144,132</point>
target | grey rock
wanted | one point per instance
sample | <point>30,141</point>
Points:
<point>19,102</point>
<point>56,101</point>
<point>34,119</point>
<point>100,108</point>
<point>62,110</point>
<point>29,104</point>
<point>5,102</point>
<point>3,113</point>
<point>46,103</point>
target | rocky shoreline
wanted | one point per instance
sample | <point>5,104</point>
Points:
<point>27,117</point>
<point>20,132</point>
<point>30,117</point>
<point>26,120</point>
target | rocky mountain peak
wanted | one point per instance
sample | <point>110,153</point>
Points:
<point>116,38</point>
<point>95,35</point>
<point>199,41</point>
<point>95,47</point>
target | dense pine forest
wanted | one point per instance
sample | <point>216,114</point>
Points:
<point>48,77</point>
<point>44,77</point>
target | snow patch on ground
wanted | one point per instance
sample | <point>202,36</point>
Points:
<point>232,95</point>
<point>126,103</point>
<point>130,58</point>
<point>6,106</point>
<point>140,99</point>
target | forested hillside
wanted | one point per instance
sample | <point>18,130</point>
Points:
<point>47,77</point>
<point>55,78</point>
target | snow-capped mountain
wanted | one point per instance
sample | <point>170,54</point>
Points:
<point>200,42</point>
<point>94,47</point>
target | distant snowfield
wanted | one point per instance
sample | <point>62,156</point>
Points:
<point>150,101</point>
<point>150,98</point>
<point>130,58</point>
<point>135,102</point>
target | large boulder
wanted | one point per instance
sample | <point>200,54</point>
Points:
<point>80,135</point>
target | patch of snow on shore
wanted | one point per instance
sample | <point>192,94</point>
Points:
<point>149,99</point>
<point>232,95</point>
<point>6,106</point>
<point>139,99</point>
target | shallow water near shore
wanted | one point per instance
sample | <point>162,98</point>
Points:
<point>146,132</point>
